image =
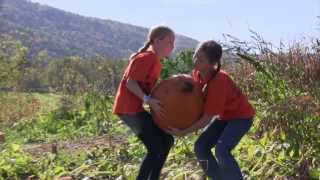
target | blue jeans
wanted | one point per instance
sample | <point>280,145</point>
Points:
<point>224,135</point>
<point>157,142</point>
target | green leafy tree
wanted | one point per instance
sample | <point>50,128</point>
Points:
<point>181,64</point>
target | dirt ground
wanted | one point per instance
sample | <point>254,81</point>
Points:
<point>73,145</point>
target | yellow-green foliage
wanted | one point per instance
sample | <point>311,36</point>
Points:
<point>282,84</point>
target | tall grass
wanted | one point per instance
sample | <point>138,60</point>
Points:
<point>283,83</point>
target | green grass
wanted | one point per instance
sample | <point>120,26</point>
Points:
<point>283,144</point>
<point>264,157</point>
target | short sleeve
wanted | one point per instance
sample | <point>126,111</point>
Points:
<point>141,68</point>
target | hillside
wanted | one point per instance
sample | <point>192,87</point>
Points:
<point>61,33</point>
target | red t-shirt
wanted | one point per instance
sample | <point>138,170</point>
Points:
<point>224,98</point>
<point>145,68</point>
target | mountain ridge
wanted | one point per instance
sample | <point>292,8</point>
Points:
<point>61,33</point>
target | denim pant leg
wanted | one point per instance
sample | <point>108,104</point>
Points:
<point>157,142</point>
<point>166,142</point>
<point>206,141</point>
<point>230,137</point>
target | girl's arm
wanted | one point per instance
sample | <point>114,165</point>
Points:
<point>155,104</point>
<point>201,123</point>
<point>134,87</point>
<point>204,120</point>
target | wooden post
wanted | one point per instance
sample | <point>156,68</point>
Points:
<point>54,147</point>
<point>65,178</point>
<point>2,137</point>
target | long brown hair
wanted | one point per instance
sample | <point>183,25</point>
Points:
<point>157,32</point>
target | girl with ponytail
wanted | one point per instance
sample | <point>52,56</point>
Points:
<point>139,78</point>
<point>227,113</point>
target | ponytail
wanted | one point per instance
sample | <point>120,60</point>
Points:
<point>158,32</point>
<point>217,71</point>
<point>142,49</point>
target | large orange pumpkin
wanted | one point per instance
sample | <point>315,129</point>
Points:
<point>182,99</point>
